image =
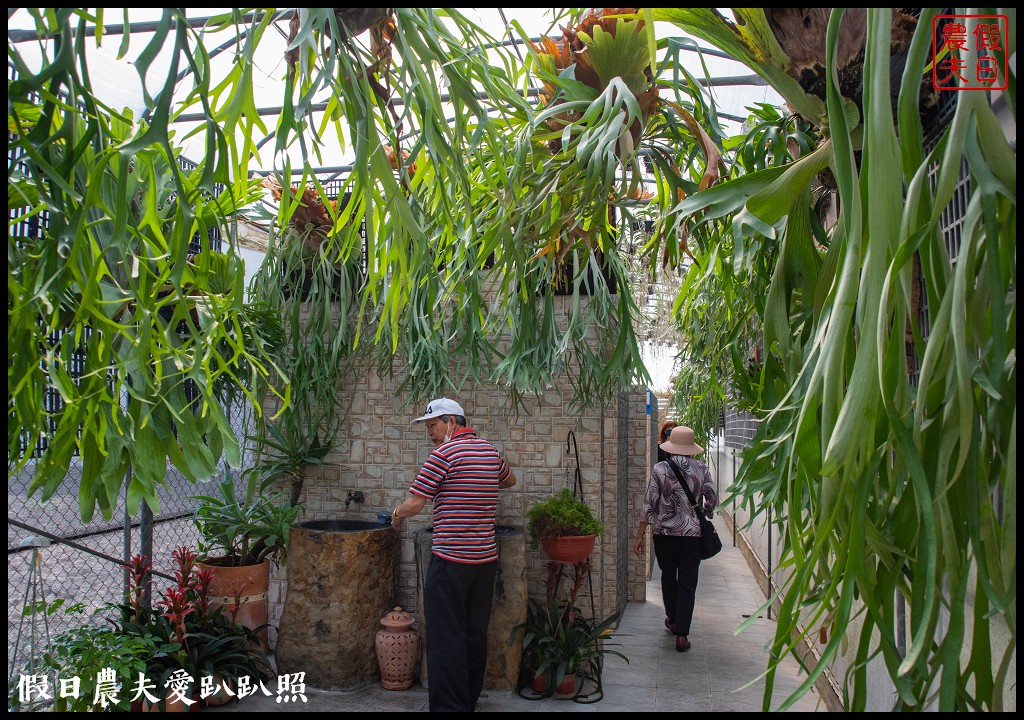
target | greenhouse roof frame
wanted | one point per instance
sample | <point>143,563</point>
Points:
<point>531,20</point>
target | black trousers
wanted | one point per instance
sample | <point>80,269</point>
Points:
<point>457,603</point>
<point>679,560</point>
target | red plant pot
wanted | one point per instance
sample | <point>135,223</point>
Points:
<point>539,683</point>
<point>566,687</point>
<point>569,548</point>
<point>568,684</point>
<point>244,590</point>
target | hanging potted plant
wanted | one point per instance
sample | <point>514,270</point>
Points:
<point>565,526</point>
<point>239,539</point>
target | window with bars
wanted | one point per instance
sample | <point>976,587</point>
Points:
<point>950,221</point>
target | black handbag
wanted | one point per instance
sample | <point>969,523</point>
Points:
<point>711,544</point>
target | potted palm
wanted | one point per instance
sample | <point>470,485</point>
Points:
<point>239,539</point>
<point>565,526</point>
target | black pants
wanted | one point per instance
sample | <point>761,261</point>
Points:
<point>679,560</point>
<point>457,603</point>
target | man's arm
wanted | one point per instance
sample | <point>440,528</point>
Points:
<point>507,482</point>
<point>412,505</point>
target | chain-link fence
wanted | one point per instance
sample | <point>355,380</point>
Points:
<point>83,561</point>
<point>78,562</point>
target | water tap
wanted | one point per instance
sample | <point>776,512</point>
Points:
<point>356,496</point>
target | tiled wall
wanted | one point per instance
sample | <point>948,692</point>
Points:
<point>379,453</point>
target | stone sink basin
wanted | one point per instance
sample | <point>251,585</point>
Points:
<point>342,579</point>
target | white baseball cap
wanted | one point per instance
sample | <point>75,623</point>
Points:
<point>441,406</point>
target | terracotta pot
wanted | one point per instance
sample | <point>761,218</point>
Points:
<point>397,647</point>
<point>569,548</point>
<point>568,684</point>
<point>222,696</point>
<point>539,683</point>
<point>171,704</point>
<point>566,687</point>
<point>243,590</point>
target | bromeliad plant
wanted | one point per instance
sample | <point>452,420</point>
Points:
<point>187,632</point>
<point>558,640</point>
<point>148,648</point>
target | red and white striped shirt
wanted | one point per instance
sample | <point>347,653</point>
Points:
<point>461,477</point>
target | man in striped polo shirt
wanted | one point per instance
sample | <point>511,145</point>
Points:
<point>462,477</point>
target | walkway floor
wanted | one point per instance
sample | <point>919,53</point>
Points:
<point>718,674</point>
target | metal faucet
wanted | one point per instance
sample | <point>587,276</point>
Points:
<point>356,496</point>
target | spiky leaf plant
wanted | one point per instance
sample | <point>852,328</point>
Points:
<point>894,494</point>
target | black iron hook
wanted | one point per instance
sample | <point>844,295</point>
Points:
<point>577,489</point>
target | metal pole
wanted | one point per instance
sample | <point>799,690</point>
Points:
<point>127,534</point>
<point>769,578</point>
<point>33,605</point>
<point>733,463</point>
<point>146,550</point>
<point>718,461</point>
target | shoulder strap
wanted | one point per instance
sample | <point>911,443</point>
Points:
<point>682,481</point>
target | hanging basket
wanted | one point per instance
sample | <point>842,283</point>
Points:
<point>569,548</point>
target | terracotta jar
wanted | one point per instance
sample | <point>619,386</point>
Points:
<point>397,649</point>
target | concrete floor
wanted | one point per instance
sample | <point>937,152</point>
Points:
<point>720,673</point>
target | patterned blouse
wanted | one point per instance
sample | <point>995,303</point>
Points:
<point>666,508</point>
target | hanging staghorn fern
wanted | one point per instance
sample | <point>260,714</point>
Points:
<point>894,500</point>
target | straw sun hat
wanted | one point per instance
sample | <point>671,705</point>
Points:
<point>681,442</point>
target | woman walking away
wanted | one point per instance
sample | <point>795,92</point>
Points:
<point>676,528</point>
